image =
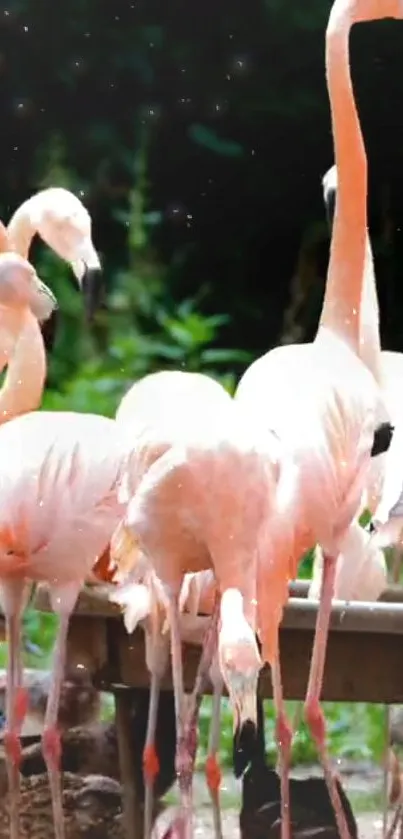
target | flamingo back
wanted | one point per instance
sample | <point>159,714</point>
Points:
<point>58,494</point>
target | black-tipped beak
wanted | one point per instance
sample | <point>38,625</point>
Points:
<point>91,284</point>
<point>49,330</point>
<point>382,438</point>
<point>244,747</point>
<point>330,203</point>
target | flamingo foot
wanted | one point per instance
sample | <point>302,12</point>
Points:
<point>316,723</point>
<point>51,748</point>
<point>284,741</point>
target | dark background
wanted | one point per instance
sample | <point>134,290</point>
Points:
<point>214,117</point>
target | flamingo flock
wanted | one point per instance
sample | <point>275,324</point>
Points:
<point>195,502</point>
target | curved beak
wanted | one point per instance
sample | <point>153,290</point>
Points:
<point>91,285</point>
<point>245,732</point>
<point>87,270</point>
<point>49,330</point>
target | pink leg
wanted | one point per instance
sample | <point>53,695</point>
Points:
<point>284,740</point>
<point>51,744</point>
<point>186,722</point>
<point>16,709</point>
<point>13,600</point>
<point>150,757</point>
<point>181,824</point>
<point>213,772</point>
<point>313,713</point>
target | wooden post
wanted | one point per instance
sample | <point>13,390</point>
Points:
<point>132,810</point>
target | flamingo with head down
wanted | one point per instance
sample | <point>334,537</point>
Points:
<point>199,491</point>
<point>321,400</point>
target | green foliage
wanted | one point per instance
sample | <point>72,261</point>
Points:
<point>355,731</point>
<point>144,328</point>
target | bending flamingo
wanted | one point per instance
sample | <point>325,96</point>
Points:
<point>64,224</point>
<point>200,488</point>
<point>320,398</point>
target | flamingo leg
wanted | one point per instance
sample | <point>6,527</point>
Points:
<point>181,826</point>
<point>284,740</point>
<point>150,758</point>
<point>213,772</point>
<point>51,743</point>
<point>13,601</point>
<point>313,713</point>
<point>205,662</point>
<point>159,656</point>
<point>186,722</point>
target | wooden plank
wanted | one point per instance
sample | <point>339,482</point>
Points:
<point>360,667</point>
<point>392,594</point>
<point>94,600</point>
<point>299,614</point>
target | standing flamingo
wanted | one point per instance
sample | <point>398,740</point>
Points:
<point>62,221</point>
<point>390,363</point>
<point>59,507</point>
<point>199,488</point>
<point>320,398</point>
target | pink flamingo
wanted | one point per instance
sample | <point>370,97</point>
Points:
<point>320,398</point>
<point>200,486</point>
<point>59,508</point>
<point>37,295</point>
<point>64,224</point>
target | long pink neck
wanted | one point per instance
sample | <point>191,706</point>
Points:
<point>26,372</point>
<point>350,254</point>
<point>370,341</point>
<point>20,230</point>
<point>341,306</point>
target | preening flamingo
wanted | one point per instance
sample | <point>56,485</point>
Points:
<point>390,365</point>
<point>64,224</point>
<point>39,297</point>
<point>200,487</point>
<point>321,400</point>
<point>59,508</point>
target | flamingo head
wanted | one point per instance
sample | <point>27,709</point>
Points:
<point>62,221</point>
<point>20,286</point>
<point>240,664</point>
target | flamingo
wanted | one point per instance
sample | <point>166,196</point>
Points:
<point>59,508</point>
<point>321,400</point>
<point>39,297</point>
<point>199,489</point>
<point>64,224</point>
<point>390,364</point>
